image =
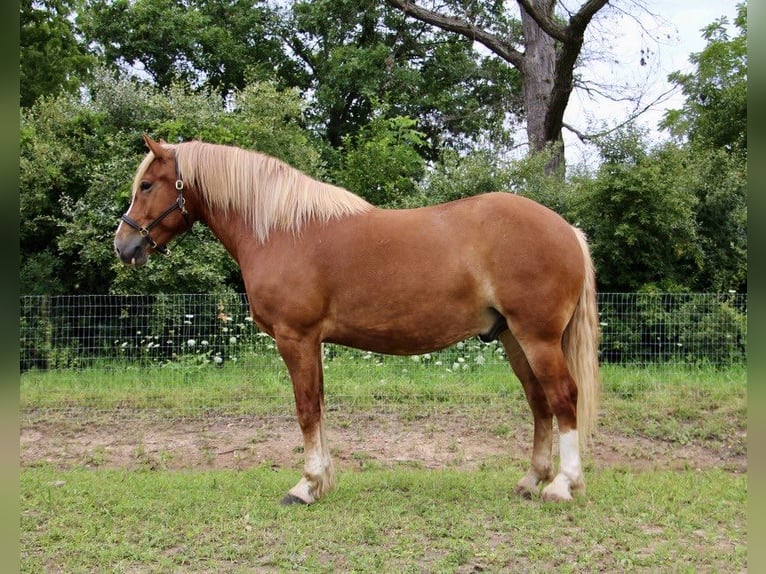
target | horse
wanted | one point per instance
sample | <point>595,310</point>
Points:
<point>321,264</point>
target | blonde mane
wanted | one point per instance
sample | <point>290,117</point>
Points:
<point>264,190</point>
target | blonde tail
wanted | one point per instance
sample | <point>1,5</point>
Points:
<point>580,344</point>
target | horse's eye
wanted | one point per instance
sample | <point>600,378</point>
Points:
<point>145,185</point>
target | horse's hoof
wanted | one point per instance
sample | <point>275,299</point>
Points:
<point>556,497</point>
<point>525,492</point>
<point>291,499</point>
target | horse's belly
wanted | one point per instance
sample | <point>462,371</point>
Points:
<point>410,333</point>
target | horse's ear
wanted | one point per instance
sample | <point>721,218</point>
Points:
<point>156,147</point>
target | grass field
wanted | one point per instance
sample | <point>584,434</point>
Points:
<point>666,487</point>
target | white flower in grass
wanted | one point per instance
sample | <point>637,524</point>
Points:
<point>232,340</point>
<point>191,343</point>
<point>218,359</point>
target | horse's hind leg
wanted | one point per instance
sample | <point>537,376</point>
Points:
<point>304,362</point>
<point>541,469</point>
<point>547,361</point>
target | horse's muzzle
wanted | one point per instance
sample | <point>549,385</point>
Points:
<point>132,251</point>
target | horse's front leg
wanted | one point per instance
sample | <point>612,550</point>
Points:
<point>303,358</point>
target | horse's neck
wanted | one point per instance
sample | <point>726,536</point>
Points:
<point>231,230</point>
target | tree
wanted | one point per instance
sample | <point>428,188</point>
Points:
<point>218,45</point>
<point>381,163</point>
<point>352,60</point>
<point>712,123</point>
<point>714,114</point>
<point>51,56</point>
<point>363,59</point>
<point>638,212</point>
<point>546,62</point>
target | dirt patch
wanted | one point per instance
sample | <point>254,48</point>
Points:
<point>440,440</point>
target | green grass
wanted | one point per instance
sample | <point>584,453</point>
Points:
<point>668,403</point>
<point>262,388</point>
<point>394,518</point>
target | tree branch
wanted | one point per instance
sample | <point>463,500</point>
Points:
<point>452,24</point>
<point>583,137</point>
<point>548,25</point>
<point>577,23</point>
<point>584,15</point>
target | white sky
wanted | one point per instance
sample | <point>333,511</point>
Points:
<point>670,37</point>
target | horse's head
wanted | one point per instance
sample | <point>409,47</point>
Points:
<point>157,211</point>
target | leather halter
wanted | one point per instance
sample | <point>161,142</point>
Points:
<point>143,230</point>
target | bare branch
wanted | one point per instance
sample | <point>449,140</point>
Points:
<point>583,137</point>
<point>452,24</point>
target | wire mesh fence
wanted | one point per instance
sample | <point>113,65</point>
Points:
<point>171,356</point>
<point>198,331</point>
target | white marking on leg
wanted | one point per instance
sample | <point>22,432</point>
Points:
<point>570,476</point>
<point>569,452</point>
<point>318,475</point>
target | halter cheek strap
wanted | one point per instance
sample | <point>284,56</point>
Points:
<point>143,230</point>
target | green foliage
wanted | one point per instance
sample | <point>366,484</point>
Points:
<point>51,57</point>
<point>688,328</point>
<point>78,158</point>
<point>406,115</point>
<point>719,182</point>
<point>714,114</point>
<point>675,217</point>
<point>220,46</point>
<point>456,176</point>
<point>347,57</point>
<point>361,58</point>
<point>639,214</point>
<point>381,162</point>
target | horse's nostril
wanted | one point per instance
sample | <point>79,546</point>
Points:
<point>127,253</point>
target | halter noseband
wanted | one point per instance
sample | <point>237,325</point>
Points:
<point>143,230</point>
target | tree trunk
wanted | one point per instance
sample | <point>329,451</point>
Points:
<point>546,65</point>
<point>538,72</point>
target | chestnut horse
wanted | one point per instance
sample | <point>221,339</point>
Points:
<point>321,264</point>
